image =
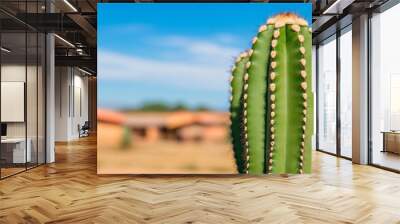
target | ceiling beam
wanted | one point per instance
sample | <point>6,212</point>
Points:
<point>84,24</point>
<point>77,61</point>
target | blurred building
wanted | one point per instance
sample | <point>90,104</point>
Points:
<point>181,125</point>
<point>111,126</point>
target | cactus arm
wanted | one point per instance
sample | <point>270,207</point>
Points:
<point>236,110</point>
<point>254,101</point>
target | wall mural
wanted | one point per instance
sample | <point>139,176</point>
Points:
<point>163,88</point>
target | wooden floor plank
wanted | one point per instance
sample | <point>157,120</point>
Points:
<point>70,191</point>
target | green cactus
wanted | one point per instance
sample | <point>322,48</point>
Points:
<point>276,125</point>
<point>236,109</point>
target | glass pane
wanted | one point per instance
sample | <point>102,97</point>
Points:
<point>314,73</point>
<point>41,99</point>
<point>385,91</point>
<point>13,86</point>
<point>327,96</point>
<point>346,94</point>
<point>31,98</point>
<point>31,88</point>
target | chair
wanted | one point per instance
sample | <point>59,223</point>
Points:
<point>84,130</point>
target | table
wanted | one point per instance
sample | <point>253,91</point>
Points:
<point>391,141</point>
<point>19,155</point>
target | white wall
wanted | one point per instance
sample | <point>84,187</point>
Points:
<point>80,110</point>
<point>62,81</point>
<point>71,94</point>
<point>12,73</point>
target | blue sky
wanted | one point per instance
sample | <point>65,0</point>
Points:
<point>177,53</point>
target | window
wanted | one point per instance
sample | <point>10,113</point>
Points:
<point>385,90</point>
<point>346,93</point>
<point>327,96</point>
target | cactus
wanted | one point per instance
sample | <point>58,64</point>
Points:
<point>276,125</point>
<point>236,109</point>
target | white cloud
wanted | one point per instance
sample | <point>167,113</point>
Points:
<point>114,66</point>
<point>210,52</point>
<point>206,65</point>
<point>127,28</point>
<point>226,38</point>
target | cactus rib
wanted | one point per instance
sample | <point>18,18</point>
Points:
<point>254,101</point>
<point>236,109</point>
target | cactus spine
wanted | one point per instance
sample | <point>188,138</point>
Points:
<point>277,101</point>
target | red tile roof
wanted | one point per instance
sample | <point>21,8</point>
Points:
<point>172,120</point>
<point>109,116</point>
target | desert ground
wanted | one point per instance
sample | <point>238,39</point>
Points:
<point>164,157</point>
<point>167,157</point>
<point>166,143</point>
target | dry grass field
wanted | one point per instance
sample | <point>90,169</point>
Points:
<point>167,157</point>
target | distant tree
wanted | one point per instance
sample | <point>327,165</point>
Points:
<point>202,108</point>
<point>179,106</point>
<point>126,141</point>
<point>159,106</point>
<point>154,106</point>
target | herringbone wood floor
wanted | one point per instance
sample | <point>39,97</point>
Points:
<point>69,191</point>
